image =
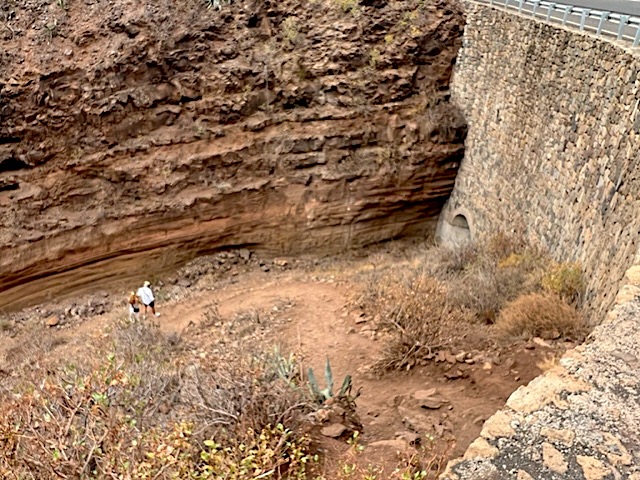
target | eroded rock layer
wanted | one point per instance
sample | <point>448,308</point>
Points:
<point>134,137</point>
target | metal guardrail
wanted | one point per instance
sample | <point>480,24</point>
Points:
<point>615,19</point>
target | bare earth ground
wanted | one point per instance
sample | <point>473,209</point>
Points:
<point>308,310</point>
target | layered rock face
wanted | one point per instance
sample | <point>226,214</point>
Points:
<point>134,136</point>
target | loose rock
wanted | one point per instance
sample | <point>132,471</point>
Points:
<point>592,468</point>
<point>553,459</point>
<point>429,399</point>
<point>335,430</point>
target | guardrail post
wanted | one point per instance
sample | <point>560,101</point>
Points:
<point>567,10</point>
<point>636,40</point>
<point>624,19</point>
<point>583,18</point>
<point>536,4</point>
<point>550,8</point>
<point>520,6</point>
<point>603,18</point>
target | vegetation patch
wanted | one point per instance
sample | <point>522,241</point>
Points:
<point>566,281</point>
<point>543,315</point>
<point>415,307</point>
<point>151,409</point>
<point>472,296</point>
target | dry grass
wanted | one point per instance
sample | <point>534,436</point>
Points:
<point>543,315</point>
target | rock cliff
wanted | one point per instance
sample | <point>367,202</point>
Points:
<point>135,135</point>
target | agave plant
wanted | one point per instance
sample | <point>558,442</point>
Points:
<point>285,367</point>
<point>323,395</point>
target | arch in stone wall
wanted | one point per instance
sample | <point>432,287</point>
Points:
<point>460,221</point>
<point>455,227</point>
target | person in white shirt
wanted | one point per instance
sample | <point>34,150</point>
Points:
<point>148,300</point>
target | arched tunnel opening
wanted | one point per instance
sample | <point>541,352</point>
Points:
<point>455,232</point>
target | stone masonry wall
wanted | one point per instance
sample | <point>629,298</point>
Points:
<point>552,149</point>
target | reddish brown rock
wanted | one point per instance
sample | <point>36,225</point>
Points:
<point>205,129</point>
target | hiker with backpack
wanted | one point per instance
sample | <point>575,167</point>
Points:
<point>134,306</point>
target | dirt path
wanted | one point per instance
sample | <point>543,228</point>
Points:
<point>319,326</point>
<point>316,323</point>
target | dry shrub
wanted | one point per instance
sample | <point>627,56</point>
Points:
<point>211,316</point>
<point>450,262</point>
<point>446,263</point>
<point>146,355</point>
<point>566,281</point>
<point>426,304</point>
<point>485,290</point>
<point>483,277</point>
<point>415,306</point>
<point>502,245</point>
<point>244,392</point>
<point>6,325</point>
<point>543,315</point>
<point>151,409</point>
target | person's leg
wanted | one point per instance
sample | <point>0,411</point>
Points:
<point>153,308</point>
